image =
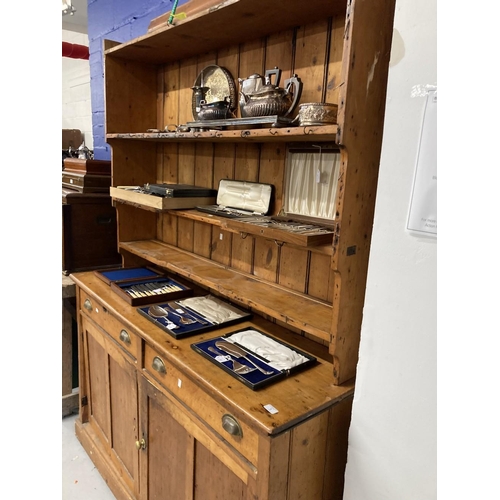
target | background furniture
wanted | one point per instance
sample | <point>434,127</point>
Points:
<point>69,348</point>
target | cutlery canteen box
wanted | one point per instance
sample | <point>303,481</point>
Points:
<point>240,199</point>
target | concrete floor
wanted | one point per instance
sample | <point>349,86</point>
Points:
<point>80,478</point>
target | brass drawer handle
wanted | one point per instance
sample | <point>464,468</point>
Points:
<point>231,425</point>
<point>125,337</point>
<point>159,365</point>
<point>88,305</point>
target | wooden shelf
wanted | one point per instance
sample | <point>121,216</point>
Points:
<point>291,308</point>
<point>157,203</point>
<point>234,226</point>
<point>232,21</point>
<point>323,133</point>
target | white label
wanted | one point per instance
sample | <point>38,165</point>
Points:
<point>220,236</point>
<point>223,359</point>
<point>270,408</point>
<point>179,383</point>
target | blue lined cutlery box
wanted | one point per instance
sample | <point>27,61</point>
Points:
<point>179,320</point>
<point>259,372</point>
<point>144,285</point>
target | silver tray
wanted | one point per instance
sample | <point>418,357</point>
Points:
<point>220,85</point>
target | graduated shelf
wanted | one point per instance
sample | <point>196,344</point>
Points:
<point>292,308</point>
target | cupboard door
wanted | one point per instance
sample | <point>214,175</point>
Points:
<point>174,462</point>
<point>112,400</point>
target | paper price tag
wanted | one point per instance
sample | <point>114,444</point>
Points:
<point>270,408</point>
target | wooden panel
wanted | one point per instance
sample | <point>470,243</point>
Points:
<point>168,171</point>
<point>320,277</point>
<point>310,59</point>
<point>362,107</point>
<point>336,452</point>
<point>186,164</point>
<point>170,94</point>
<point>272,171</point>
<point>293,268</point>
<point>266,260</point>
<point>213,480</point>
<point>169,229</point>
<point>224,159</point>
<point>185,230</point>
<point>166,442</point>
<point>130,93</point>
<point>124,418</point>
<point>135,223</point>
<point>134,163</point>
<point>221,246</point>
<point>242,253</point>
<point>247,162</point>
<point>279,53</point>
<point>99,383</point>
<point>307,459</point>
<point>188,75</point>
<point>334,75</point>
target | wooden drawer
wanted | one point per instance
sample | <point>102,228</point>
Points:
<point>123,335</point>
<point>233,430</point>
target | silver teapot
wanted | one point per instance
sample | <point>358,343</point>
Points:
<point>259,96</point>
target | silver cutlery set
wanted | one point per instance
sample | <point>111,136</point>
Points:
<point>234,351</point>
<point>151,289</point>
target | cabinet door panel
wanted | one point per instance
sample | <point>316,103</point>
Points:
<point>165,472</point>
<point>113,401</point>
<point>124,425</point>
<point>98,385</point>
<point>213,480</point>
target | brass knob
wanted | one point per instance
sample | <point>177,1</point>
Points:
<point>141,445</point>
<point>231,425</point>
<point>125,337</point>
<point>88,305</point>
<point>159,365</point>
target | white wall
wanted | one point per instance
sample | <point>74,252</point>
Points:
<point>76,105</point>
<point>393,435</point>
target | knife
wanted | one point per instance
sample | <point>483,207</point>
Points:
<point>237,352</point>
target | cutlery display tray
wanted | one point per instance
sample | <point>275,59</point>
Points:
<point>199,325</point>
<point>255,379</point>
<point>144,285</point>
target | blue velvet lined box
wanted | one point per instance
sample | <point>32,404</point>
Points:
<point>180,321</point>
<point>255,379</point>
<point>144,285</point>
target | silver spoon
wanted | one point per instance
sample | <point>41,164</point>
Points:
<point>158,312</point>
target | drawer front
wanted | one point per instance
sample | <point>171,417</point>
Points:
<point>232,429</point>
<point>94,309</point>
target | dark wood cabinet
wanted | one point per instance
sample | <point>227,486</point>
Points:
<point>89,232</point>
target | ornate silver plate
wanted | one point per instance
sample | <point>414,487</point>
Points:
<point>220,84</point>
